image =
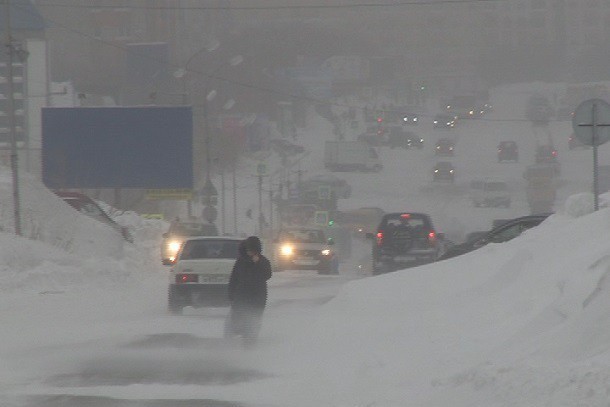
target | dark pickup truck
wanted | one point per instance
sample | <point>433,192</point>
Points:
<point>404,239</point>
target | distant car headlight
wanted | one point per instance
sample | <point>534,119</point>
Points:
<point>286,250</point>
<point>325,252</point>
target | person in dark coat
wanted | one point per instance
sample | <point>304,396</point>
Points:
<point>248,291</point>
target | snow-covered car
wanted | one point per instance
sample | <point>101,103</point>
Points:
<point>304,248</point>
<point>89,207</point>
<point>503,233</point>
<point>200,274</point>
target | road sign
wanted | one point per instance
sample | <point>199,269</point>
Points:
<point>175,194</point>
<point>324,192</point>
<point>589,115</point>
<point>261,169</point>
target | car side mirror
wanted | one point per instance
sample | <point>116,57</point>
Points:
<point>330,241</point>
<point>165,235</point>
<point>168,262</point>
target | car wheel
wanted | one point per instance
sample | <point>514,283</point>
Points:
<point>174,302</point>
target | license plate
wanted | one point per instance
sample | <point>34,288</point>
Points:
<point>213,279</point>
<point>305,262</point>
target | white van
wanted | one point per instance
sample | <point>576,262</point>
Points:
<point>489,192</point>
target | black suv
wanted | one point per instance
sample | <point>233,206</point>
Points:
<point>508,151</point>
<point>404,239</point>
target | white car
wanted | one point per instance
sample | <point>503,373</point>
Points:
<point>200,274</point>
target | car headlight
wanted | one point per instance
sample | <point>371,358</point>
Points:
<point>286,250</point>
<point>325,252</point>
<point>174,246</point>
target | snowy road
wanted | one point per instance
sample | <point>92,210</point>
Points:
<point>125,350</point>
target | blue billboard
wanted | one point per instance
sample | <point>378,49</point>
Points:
<point>117,147</point>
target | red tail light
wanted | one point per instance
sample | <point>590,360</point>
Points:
<point>432,237</point>
<point>186,278</point>
<point>379,238</point>
<point>554,153</point>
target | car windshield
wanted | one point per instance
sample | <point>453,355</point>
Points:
<point>303,236</point>
<point>210,249</point>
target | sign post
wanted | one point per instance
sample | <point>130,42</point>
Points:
<point>591,124</point>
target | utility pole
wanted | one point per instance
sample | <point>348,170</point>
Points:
<point>270,205</point>
<point>260,203</point>
<point>11,117</point>
<point>234,199</point>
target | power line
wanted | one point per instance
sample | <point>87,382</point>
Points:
<point>281,7</point>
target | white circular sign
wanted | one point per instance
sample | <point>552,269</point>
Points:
<point>589,113</point>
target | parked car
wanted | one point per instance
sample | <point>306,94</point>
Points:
<point>489,192</point>
<point>304,248</point>
<point>404,239</point>
<point>178,232</point>
<point>508,151</point>
<point>443,171</point>
<point>443,121</point>
<point>89,207</point>
<point>445,147</point>
<point>200,273</point>
<point>503,233</point>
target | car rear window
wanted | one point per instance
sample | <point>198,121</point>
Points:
<point>210,249</point>
<point>413,220</point>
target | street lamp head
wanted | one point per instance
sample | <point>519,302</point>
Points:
<point>210,96</point>
<point>229,104</point>
<point>179,73</point>
<point>212,45</point>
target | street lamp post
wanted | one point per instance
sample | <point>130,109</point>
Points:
<point>11,115</point>
<point>209,95</point>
